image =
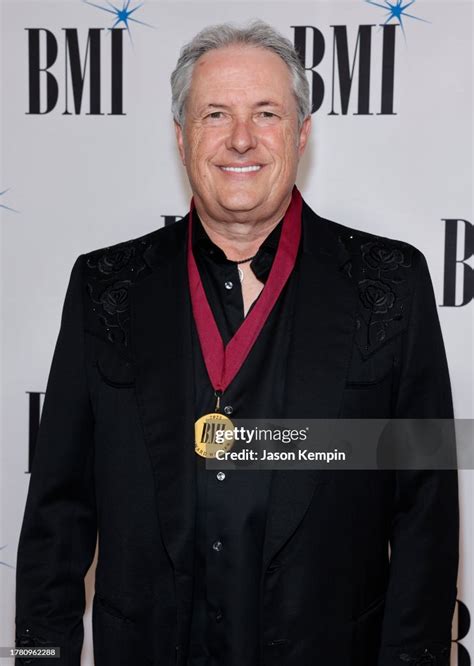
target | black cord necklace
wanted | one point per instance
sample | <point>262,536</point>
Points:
<point>244,261</point>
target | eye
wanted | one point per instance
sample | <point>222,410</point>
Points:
<point>215,115</point>
<point>267,117</point>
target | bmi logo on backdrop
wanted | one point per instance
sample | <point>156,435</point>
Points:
<point>126,16</point>
<point>59,83</point>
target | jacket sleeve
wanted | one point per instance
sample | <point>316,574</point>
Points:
<point>58,534</point>
<point>424,535</point>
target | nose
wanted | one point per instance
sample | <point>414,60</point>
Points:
<point>242,136</point>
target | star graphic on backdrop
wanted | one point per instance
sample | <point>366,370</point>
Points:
<point>122,15</point>
<point>397,10</point>
<point>7,207</point>
<point>4,563</point>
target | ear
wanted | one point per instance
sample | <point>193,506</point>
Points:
<point>304,135</point>
<point>180,140</point>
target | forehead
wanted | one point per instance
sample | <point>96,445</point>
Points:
<point>236,71</point>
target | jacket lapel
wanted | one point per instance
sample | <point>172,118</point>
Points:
<point>319,357</point>
<point>324,323</point>
<point>161,343</point>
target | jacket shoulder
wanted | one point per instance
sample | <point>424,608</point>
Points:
<point>384,272</point>
<point>110,271</point>
<point>354,239</point>
<point>111,258</point>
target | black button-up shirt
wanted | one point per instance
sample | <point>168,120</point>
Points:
<point>232,505</point>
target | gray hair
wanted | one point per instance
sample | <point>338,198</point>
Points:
<point>258,34</point>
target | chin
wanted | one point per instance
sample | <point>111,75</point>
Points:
<point>240,201</point>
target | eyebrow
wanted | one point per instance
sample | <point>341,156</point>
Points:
<point>264,102</point>
<point>267,102</point>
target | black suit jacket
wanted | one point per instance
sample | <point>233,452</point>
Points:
<point>115,454</point>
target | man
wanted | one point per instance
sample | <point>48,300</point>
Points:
<point>251,306</point>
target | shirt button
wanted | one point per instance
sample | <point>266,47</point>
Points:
<point>217,545</point>
<point>219,615</point>
<point>228,284</point>
<point>220,476</point>
<point>228,409</point>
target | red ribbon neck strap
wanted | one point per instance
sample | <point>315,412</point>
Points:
<point>224,362</point>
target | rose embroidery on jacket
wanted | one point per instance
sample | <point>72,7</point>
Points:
<point>376,296</point>
<point>111,272</point>
<point>382,274</point>
<point>114,260</point>
<point>115,298</point>
<point>381,257</point>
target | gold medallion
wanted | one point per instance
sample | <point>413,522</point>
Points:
<point>213,432</point>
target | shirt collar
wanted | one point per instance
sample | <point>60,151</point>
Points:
<point>260,265</point>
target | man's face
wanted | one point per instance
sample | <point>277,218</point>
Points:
<point>241,113</point>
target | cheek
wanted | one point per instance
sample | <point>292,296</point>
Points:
<point>200,165</point>
<point>205,145</point>
<point>282,145</point>
<point>291,139</point>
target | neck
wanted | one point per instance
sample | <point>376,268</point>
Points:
<point>240,240</point>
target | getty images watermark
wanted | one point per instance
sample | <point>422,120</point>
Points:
<point>362,444</point>
<point>249,436</point>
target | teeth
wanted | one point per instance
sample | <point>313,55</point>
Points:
<point>242,169</point>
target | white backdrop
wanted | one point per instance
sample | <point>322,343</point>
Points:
<point>73,183</point>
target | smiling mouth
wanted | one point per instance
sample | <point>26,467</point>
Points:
<point>243,169</point>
